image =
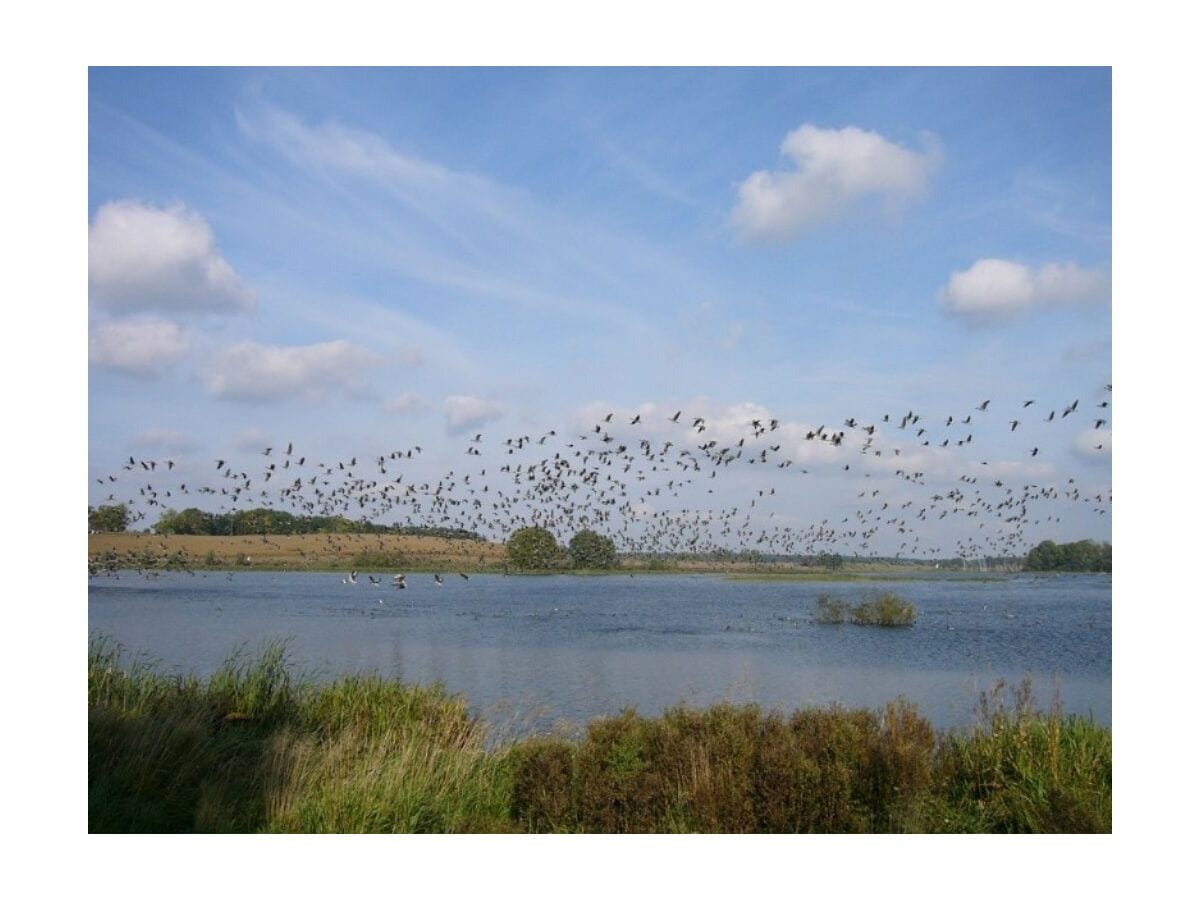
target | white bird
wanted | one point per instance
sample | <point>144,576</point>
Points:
<point>353,579</point>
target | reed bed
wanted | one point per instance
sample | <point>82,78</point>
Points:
<point>258,748</point>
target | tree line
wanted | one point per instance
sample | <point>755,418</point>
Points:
<point>1081,556</point>
<point>273,521</point>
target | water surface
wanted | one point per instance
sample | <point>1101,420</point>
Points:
<point>528,652</point>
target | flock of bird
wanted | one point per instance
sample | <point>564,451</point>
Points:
<point>651,484</point>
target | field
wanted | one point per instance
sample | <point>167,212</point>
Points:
<point>318,552</point>
<point>399,553</point>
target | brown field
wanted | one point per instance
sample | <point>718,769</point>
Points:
<point>307,551</point>
<point>398,553</point>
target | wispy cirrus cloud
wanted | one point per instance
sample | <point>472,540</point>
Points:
<point>265,373</point>
<point>143,257</point>
<point>994,290</point>
<point>834,169</point>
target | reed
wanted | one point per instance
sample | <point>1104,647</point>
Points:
<point>257,747</point>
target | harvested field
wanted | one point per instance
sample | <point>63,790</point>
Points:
<point>299,551</point>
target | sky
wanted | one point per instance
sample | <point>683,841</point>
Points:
<point>356,261</point>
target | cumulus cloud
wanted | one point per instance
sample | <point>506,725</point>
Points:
<point>463,412</point>
<point>834,170</point>
<point>141,349</point>
<point>141,257</point>
<point>996,289</point>
<point>263,373</point>
<point>406,404</point>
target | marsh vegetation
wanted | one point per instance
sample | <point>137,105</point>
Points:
<point>257,748</point>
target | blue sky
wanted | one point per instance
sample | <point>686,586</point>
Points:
<point>357,261</point>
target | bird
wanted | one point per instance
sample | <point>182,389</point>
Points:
<point>351,579</point>
<point>437,579</point>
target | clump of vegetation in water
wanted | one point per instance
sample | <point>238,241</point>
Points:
<point>255,748</point>
<point>831,611</point>
<point>884,608</point>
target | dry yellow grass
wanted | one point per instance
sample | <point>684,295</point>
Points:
<point>305,551</point>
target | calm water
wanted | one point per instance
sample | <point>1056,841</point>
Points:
<point>529,652</point>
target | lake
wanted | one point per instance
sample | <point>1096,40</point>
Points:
<point>530,652</point>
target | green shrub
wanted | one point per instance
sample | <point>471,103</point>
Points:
<point>885,608</point>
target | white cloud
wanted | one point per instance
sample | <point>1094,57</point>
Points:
<point>406,404</point>
<point>1094,445</point>
<point>464,412</point>
<point>165,439</point>
<point>141,257</point>
<point>835,168</point>
<point>142,349</point>
<point>258,372</point>
<point>994,289</point>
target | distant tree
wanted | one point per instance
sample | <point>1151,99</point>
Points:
<point>1080,556</point>
<point>590,550</point>
<point>831,561</point>
<point>533,548</point>
<point>190,521</point>
<point>108,518</point>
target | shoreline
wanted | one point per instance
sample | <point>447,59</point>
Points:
<point>377,553</point>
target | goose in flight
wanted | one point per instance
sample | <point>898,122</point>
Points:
<point>352,578</point>
<point>398,582</point>
<point>437,579</point>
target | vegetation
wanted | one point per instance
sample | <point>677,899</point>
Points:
<point>885,608</point>
<point>533,548</point>
<point>256,748</point>
<point>1081,556</point>
<point>295,552</point>
<point>273,521</point>
<point>108,518</point>
<point>590,550</point>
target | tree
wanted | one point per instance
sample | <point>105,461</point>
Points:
<point>108,518</point>
<point>190,521</point>
<point>590,550</point>
<point>1081,556</point>
<point>533,548</point>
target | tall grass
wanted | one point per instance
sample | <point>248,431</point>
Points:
<point>257,748</point>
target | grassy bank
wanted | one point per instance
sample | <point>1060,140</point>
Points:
<point>257,748</point>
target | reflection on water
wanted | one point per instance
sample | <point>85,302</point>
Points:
<point>530,651</point>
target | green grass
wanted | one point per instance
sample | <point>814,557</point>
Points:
<point>258,748</point>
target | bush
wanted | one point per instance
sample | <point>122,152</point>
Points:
<point>533,548</point>
<point>887,609</point>
<point>590,550</point>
